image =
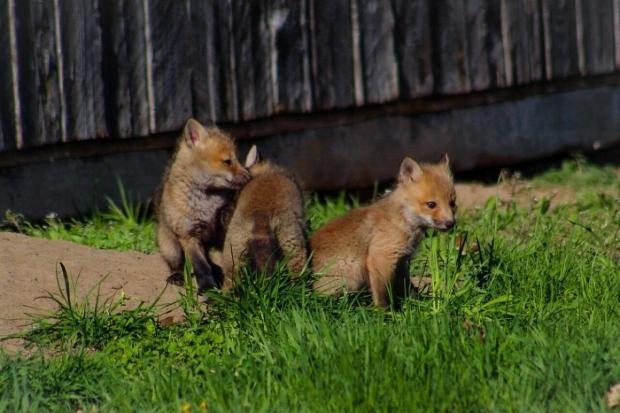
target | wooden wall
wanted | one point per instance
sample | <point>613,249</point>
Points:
<point>88,69</point>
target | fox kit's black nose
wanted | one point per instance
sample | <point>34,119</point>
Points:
<point>450,224</point>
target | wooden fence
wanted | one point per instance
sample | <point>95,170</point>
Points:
<point>88,69</point>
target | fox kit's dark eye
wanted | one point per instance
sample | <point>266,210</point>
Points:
<point>452,204</point>
<point>227,161</point>
<point>431,204</point>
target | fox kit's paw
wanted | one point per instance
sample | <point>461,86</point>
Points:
<point>176,279</point>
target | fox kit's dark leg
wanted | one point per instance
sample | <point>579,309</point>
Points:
<point>401,284</point>
<point>262,250</point>
<point>172,253</point>
<point>262,253</point>
<point>203,268</point>
<point>216,270</point>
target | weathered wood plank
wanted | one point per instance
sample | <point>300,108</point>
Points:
<point>413,47</point>
<point>485,52</point>
<point>332,67</point>
<point>2,143</point>
<point>200,70</point>
<point>450,65</point>
<point>171,41</point>
<point>616,20</point>
<point>124,68</point>
<point>533,31</point>
<point>7,109</point>
<point>213,61</point>
<point>561,47</point>
<point>598,35</point>
<point>253,69</point>
<point>38,68</point>
<point>82,58</point>
<point>378,55</point>
<point>524,40</point>
<point>290,57</point>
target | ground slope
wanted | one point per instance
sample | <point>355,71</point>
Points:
<point>28,265</point>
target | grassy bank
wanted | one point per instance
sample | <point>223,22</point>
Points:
<point>523,316</point>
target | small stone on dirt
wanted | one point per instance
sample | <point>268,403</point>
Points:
<point>613,396</point>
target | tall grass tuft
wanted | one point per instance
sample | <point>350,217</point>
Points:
<point>88,321</point>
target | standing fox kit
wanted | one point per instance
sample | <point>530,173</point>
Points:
<point>202,179</point>
<point>267,224</point>
<point>371,247</point>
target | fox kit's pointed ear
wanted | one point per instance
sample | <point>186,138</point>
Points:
<point>409,169</point>
<point>193,132</point>
<point>252,157</point>
<point>445,161</point>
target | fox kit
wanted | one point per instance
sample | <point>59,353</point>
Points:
<point>202,179</point>
<point>371,247</point>
<point>268,222</point>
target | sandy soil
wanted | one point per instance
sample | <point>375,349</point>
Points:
<point>28,265</point>
<point>28,270</point>
<point>476,195</point>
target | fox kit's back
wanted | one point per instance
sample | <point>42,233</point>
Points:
<point>268,222</point>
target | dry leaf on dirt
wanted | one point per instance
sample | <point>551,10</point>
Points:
<point>613,396</point>
<point>170,320</point>
<point>421,283</point>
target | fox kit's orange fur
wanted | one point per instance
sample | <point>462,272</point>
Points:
<point>202,179</point>
<point>371,247</point>
<point>268,222</point>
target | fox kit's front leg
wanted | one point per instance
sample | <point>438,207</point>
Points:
<point>381,267</point>
<point>172,252</point>
<point>206,272</point>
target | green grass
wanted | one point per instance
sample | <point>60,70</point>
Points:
<point>123,227</point>
<point>578,173</point>
<point>524,317</point>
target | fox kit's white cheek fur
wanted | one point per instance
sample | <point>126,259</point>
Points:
<point>417,219</point>
<point>429,221</point>
<point>205,177</point>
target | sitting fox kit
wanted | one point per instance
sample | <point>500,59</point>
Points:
<point>202,179</point>
<point>267,223</point>
<point>371,247</point>
<point>367,248</point>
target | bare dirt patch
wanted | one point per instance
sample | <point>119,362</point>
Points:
<point>476,195</point>
<point>28,265</point>
<point>28,269</point>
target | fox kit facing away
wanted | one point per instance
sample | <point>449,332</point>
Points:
<point>371,247</point>
<point>202,179</point>
<point>267,224</point>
